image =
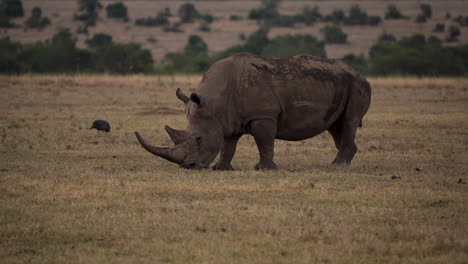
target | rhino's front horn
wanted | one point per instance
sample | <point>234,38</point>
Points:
<point>177,136</point>
<point>182,96</point>
<point>175,154</point>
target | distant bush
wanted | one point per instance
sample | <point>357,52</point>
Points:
<point>309,15</point>
<point>208,18</point>
<point>426,10</point>
<point>439,27</point>
<point>88,12</point>
<point>415,56</point>
<point>194,58</point>
<point>99,41</point>
<point>393,13</point>
<point>461,20</point>
<point>175,27</point>
<point>255,43</point>
<point>290,45</point>
<point>159,20</point>
<point>5,22</point>
<point>267,11</point>
<point>434,40</point>
<point>205,27</point>
<point>117,10</point>
<point>359,63</point>
<point>386,37</point>
<point>36,20</point>
<point>337,16</point>
<point>60,55</point>
<point>420,18</point>
<point>357,16</point>
<point>11,8</point>
<point>334,34</point>
<point>188,13</point>
<point>235,17</point>
<point>454,32</point>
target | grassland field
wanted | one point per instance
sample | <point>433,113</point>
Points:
<point>225,33</point>
<point>69,194</point>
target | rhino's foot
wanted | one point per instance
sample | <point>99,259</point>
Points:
<point>222,166</point>
<point>266,166</point>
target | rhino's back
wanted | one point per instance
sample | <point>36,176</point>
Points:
<point>307,93</point>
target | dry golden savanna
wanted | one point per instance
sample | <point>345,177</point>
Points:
<point>74,195</point>
<point>225,33</point>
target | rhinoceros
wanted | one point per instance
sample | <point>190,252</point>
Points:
<point>292,98</point>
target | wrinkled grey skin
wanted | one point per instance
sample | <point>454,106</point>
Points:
<point>293,99</point>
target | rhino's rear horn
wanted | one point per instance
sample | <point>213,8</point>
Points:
<point>182,96</point>
<point>177,136</point>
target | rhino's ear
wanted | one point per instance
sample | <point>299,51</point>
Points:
<point>196,99</point>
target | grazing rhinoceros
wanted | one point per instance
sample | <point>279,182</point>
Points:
<point>291,98</point>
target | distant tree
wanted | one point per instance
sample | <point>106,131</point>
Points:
<point>461,20</point>
<point>195,47</point>
<point>426,10</point>
<point>359,63</point>
<point>160,20</point>
<point>36,20</point>
<point>454,32</point>
<point>267,11</point>
<point>188,13</point>
<point>99,41</point>
<point>394,13</point>
<point>387,37</point>
<point>235,17</point>
<point>334,34</point>
<point>337,16</point>
<point>89,11</point>
<point>358,16</point>
<point>290,45</point>
<point>309,15</point>
<point>117,10</point>
<point>420,18</point>
<point>11,8</point>
<point>439,27</point>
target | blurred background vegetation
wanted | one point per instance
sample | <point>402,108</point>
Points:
<point>416,54</point>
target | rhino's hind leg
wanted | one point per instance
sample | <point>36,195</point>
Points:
<point>344,134</point>
<point>227,153</point>
<point>264,133</point>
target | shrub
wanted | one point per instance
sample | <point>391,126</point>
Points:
<point>8,56</point>
<point>434,40</point>
<point>99,41</point>
<point>357,16</point>
<point>454,32</point>
<point>309,15</point>
<point>204,27</point>
<point>11,8</point>
<point>386,37</point>
<point>334,34</point>
<point>195,47</point>
<point>5,22</point>
<point>36,20</point>
<point>439,27</point>
<point>159,20</point>
<point>188,13</point>
<point>117,10</point>
<point>420,18</point>
<point>255,43</point>
<point>359,63</point>
<point>207,18</point>
<point>235,17</point>
<point>124,58</point>
<point>461,20</point>
<point>394,13</point>
<point>289,45</point>
<point>413,55</point>
<point>89,12</point>
<point>426,10</point>
<point>337,16</point>
<point>175,27</point>
<point>267,11</point>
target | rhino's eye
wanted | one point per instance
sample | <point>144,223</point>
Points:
<point>199,140</point>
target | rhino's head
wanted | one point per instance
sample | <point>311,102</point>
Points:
<point>197,146</point>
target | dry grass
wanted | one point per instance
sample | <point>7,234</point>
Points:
<point>73,195</point>
<point>225,33</point>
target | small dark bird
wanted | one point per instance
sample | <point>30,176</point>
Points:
<point>101,125</point>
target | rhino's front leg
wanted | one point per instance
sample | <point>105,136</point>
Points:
<point>264,133</point>
<point>227,153</point>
